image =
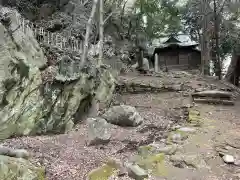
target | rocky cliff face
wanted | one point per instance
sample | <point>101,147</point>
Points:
<point>30,104</point>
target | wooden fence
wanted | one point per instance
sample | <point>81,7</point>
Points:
<point>47,37</point>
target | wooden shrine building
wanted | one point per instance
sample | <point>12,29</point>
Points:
<point>174,54</point>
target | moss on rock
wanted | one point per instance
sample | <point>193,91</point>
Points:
<point>149,159</point>
<point>194,118</point>
<point>104,172</point>
<point>28,105</point>
<point>189,160</point>
<point>146,150</point>
<point>16,168</point>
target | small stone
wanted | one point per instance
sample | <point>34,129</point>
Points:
<point>228,159</point>
<point>169,149</point>
<point>185,94</point>
<point>176,127</point>
<point>162,140</point>
<point>178,137</point>
<point>134,171</point>
<point>237,162</point>
<point>189,105</point>
<point>187,129</point>
<point>178,87</point>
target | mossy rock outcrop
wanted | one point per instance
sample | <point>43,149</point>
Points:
<point>151,160</point>
<point>29,106</point>
<point>111,168</point>
<point>17,168</point>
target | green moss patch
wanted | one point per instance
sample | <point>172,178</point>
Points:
<point>145,151</point>
<point>194,118</point>
<point>104,172</point>
<point>148,159</point>
<point>160,169</point>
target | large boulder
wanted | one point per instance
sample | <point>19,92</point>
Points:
<point>123,115</point>
<point>98,131</point>
<point>29,104</point>
<point>18,168</point>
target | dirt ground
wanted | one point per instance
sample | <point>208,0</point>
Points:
<point>67,157</point>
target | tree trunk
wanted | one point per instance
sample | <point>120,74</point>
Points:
<point>140,60</point>
<point>205,53</point>
<point>100,31</point>
<point>139,56</point>
<point>232,75</point>
<point>88,29</point>
<point>218,69</point>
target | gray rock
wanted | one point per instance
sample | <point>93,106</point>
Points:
<point>192,161</point>
<point>21,153</point>
<point>17,153</point>
<point>178,137</point>
<point>98,131</point>
<point>15,168</point>
<point>237,162</point>
<point>176,127</point>
<point>187,129</point>
<point>228,159</point>
<point>134,171</point>
<point>123,115</point>
<point>213,93</point>
<point>169,149</point>
<point>178,87</point>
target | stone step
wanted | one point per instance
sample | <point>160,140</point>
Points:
<point>214,101</point>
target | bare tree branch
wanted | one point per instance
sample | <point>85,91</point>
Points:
<point>85,2</point>
<point>100,30</point>
<point>107,17</point>
<point>222,7</point>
